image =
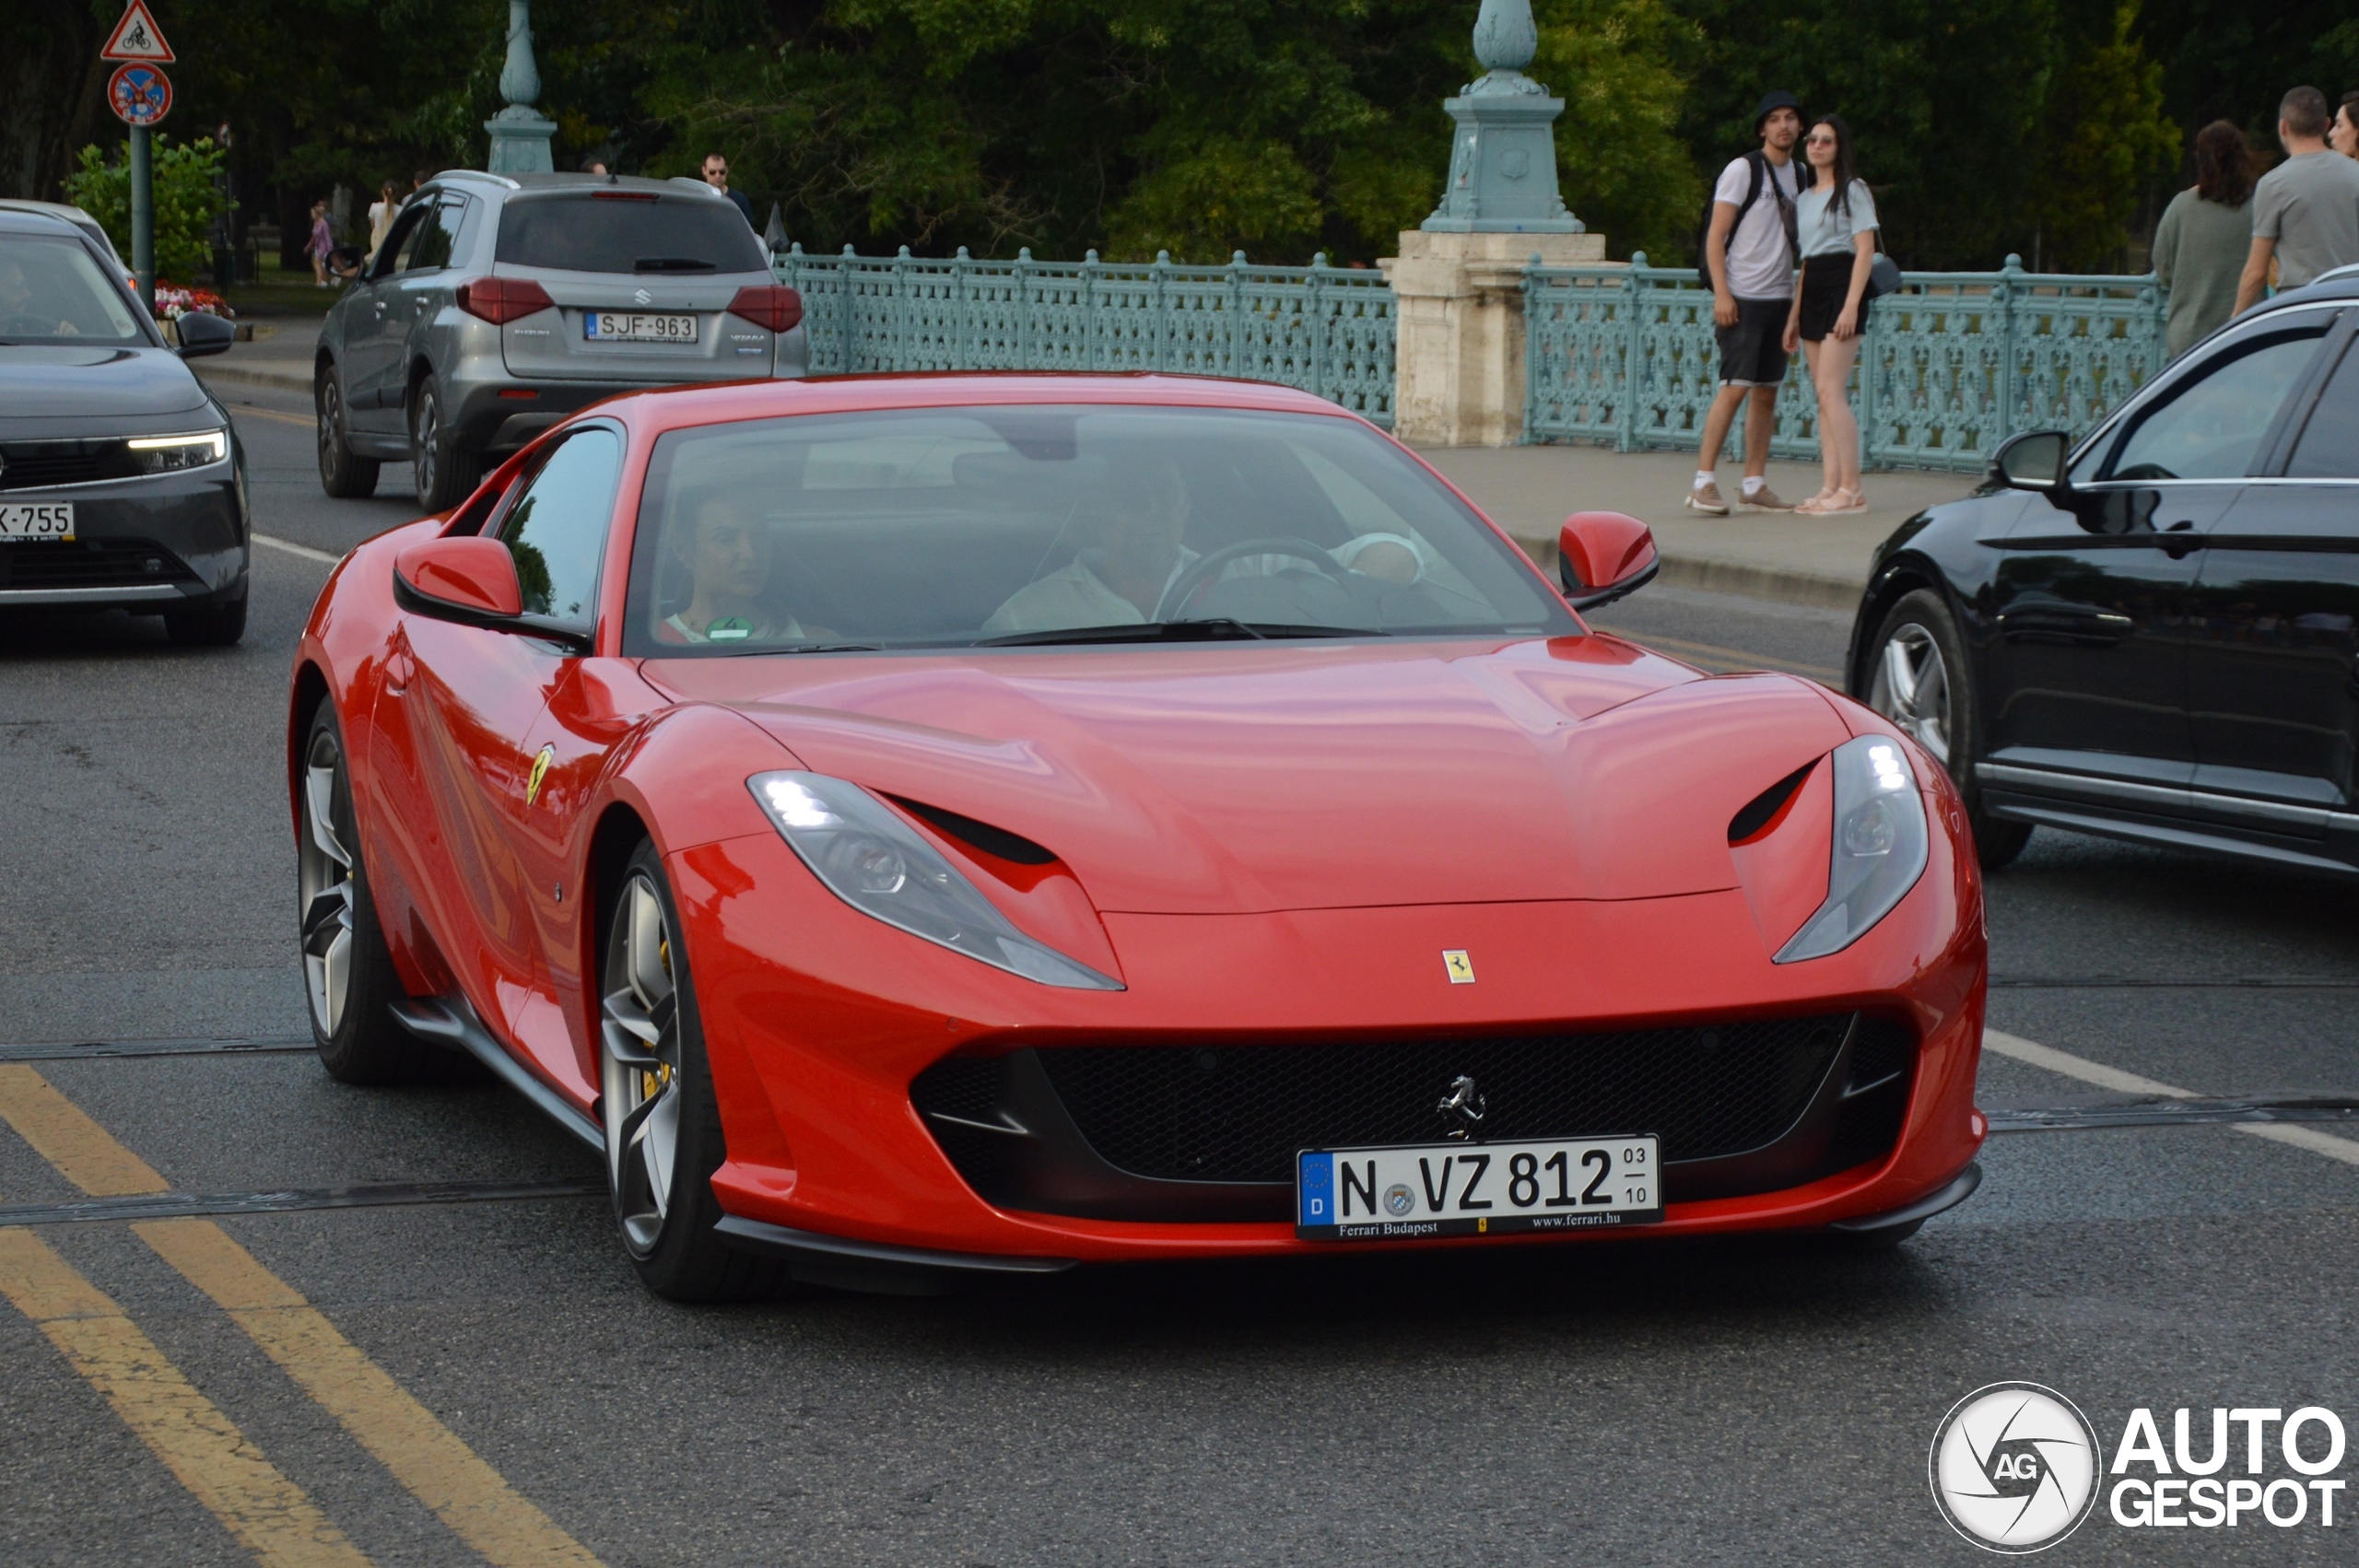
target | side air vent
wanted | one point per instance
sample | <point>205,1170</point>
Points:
<point>981,836</point>
<point>1767,809</point>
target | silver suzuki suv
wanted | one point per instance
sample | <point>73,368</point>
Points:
<point>499,304</point>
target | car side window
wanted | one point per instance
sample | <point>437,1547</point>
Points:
<point>556,530</point>
<point>429,249</point>
<point>2212,425</point>
<point>400,237</point>
<point>2329,445</point>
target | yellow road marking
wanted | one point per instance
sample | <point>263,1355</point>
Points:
<point>200,1446</point>
<point>84,1152</point>
<point>423,1455</point>
<point>305,420</point>
<point>426,1457</point>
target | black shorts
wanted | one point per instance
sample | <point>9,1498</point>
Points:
<point>1826,283</point>
<point>1753,352</point>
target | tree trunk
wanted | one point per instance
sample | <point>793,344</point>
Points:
<point>54,85</point>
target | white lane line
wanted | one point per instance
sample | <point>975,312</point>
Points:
<point>294,549</point>
<point>2120,1083</point>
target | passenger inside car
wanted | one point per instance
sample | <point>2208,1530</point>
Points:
<point>724,554</point>
<point>53,288</point>
<point>1139,515</point>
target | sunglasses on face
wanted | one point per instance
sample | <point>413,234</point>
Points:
<point>1821,141</point>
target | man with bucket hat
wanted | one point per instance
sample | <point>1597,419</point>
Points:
<point>1746,253</point>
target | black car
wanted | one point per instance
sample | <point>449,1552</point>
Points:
<point>122,484</point>
<point>2154,634</point>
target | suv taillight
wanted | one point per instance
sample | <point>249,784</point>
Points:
<point>772,305</point>
<point>502,300</point>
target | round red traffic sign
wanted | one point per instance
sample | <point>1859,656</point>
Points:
<point>139,93</point>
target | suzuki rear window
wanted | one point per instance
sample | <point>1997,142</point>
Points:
<point>601,231</point>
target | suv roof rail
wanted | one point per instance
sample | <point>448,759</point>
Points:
<point>501,179</point>
<point>692,182</point>
<point>2348,269</point>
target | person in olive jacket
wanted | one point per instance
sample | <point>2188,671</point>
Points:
<point>2204,237</point>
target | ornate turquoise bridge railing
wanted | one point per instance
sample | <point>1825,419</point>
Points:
<point>1326,329</point>
<point>1952,364</point>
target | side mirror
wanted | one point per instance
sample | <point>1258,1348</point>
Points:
<point>199,335</point>
<point>466,579</point>
<point>1603,556</point>
<point>2033,461</point>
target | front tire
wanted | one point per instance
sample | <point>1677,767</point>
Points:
<point>342,474</point>
<point>1918,678</point>
<point>444,472</point>
<point>348,973</point>
<point>662,1122</point>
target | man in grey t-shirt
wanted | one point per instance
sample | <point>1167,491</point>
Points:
<point>2304,211</point>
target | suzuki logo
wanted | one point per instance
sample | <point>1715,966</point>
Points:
<point>1464,1103</point>
<point>643,297</point>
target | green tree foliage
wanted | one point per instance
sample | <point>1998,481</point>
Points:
<point>2107,139</point>
<point>186,197</point>
<point>1619,157</point>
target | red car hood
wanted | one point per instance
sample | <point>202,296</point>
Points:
<point>1231,779</point>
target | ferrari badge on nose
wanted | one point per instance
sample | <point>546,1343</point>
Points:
<point>540,771</point>
<point>1461,967</point>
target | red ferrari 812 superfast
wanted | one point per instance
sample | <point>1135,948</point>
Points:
<point>939,823</point>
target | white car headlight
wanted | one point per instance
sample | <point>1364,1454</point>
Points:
<point>1881,843</point>
<point>875,862</point>
<point>169,455</point>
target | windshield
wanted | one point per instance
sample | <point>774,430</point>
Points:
<point>956,528</point>
<point>53,290</point>
<point>626,231</point>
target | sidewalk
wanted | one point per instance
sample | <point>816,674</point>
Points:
<point>279,357</point>
<point>1800,560</point>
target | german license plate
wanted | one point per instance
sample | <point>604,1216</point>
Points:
<point>627,326</point>
<point>1447,1190</point>
<point>23,521</point>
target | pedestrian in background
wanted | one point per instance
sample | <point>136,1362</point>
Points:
<point>382,213</point>
<point>716,174</point>
<point>1835,227</point>
<point>2205,237</point>
<point>2343,135</point>
<point>323,240</point>
<point>1748,260</point>
<point>2304,211</point>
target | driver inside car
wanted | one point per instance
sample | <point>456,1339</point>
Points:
<point>726,556</point>
<point>1141,516</point>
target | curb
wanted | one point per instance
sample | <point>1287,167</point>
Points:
<point>1712,574</point>
<point>291,379</point>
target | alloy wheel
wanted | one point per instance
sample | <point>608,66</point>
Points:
<point>426,442</point>
<point>325,877</point>
<point>330,423</point>
<point>641,1037</point>
<point>1912,688</point>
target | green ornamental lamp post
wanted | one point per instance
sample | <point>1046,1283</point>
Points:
<point>519,133</point>
<point>1503,163</point>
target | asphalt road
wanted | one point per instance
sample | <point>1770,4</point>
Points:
<point>456,1383</point>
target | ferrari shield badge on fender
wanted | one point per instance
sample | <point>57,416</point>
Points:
<point>1461,967</point>
<point>541,771</point>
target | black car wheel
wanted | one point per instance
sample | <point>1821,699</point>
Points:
<point>212,625</point>
<point>445,471</point>
<point>664,1138</point>
<point>348,972</point>
<point>342,474</point>
<point>1918,677</point>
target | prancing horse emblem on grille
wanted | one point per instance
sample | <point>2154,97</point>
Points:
<point>1464,1103</point>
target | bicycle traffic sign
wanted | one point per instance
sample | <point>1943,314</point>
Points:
<point>136,37</point>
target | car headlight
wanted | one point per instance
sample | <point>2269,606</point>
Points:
<point>875,862</point>
<point>1881,843</point>
<point>169,455</point>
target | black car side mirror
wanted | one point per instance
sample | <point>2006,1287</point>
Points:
<point>201,335</point>
<point>2033,461</point>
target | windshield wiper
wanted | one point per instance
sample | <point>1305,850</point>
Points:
<point>672,263</point>
<point>1208,628</point>
<point>810,648</point>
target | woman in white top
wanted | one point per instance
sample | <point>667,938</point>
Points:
<point>1835,221</point>
<point>380,218</point>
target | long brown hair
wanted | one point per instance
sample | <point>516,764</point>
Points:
<point>1841,171</point>
<point>2222,165</point>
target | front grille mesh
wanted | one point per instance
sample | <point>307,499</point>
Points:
<point>1187,1113</point>
<point>92,563</point>
<point>33,465</point>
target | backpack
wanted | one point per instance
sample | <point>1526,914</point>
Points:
<point>1759,167</point>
